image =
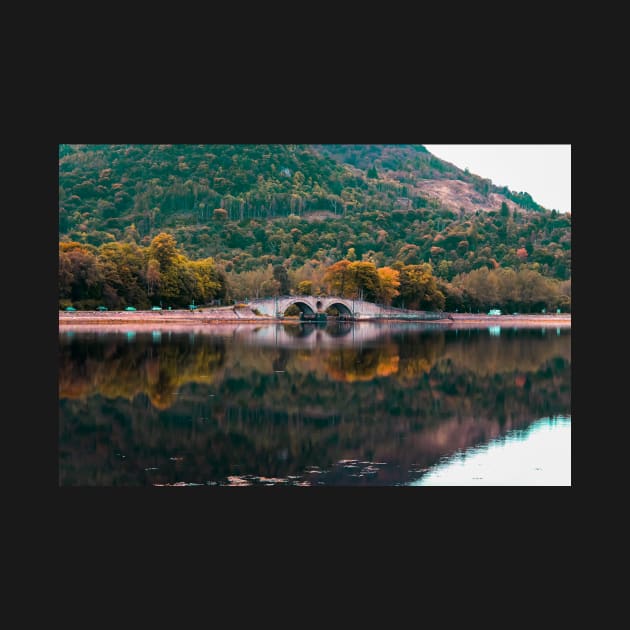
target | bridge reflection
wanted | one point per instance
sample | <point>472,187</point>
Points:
<point>326,334</point>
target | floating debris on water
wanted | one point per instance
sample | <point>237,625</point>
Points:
<point>370,471</point>
<point>238,481</point>
<point>272,480</point>
<point>176,459</point>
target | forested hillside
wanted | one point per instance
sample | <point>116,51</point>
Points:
<point>275,218</point>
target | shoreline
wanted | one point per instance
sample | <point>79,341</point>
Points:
<point>231,316</point>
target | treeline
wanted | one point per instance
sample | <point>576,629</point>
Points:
<point>117,275</point>
<point>523,291</point>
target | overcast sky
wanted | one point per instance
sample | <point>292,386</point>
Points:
<point>542,170</point>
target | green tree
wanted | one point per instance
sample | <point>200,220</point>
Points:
<point>365,279</point>
<point>282,278</point>
<point>419,289</point>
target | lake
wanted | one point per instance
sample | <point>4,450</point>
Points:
<point>289,404</point>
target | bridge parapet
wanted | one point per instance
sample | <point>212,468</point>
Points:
<point>357,309</point>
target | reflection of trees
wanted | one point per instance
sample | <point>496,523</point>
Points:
<point>248,419</point>
<point>362,364</point>
<point>480,353</point>
<point>418,354</point>
<point>116,368</point>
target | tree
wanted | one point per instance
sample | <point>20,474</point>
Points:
<point>282,278</point>
<point>388,284</point>
<point>208,283</point>
<point>153,276</point>
<point>163,248</point>
<point>482,287</point>
<point>305,288</point>
<point>339,279</point>
<point>365,279</point>
<point>418,288</point>
<point>409,254</point>
<point>80,275</point>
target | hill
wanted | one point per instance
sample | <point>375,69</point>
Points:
<point>251,208</point>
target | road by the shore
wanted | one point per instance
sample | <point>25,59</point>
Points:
<point>232,315</point>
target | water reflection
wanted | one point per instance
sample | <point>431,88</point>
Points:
<point>538,455</point>
<point>302,404</point>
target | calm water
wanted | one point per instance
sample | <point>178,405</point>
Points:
<point>287,404</point>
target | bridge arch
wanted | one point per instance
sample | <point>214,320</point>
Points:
<point>341,308</point>
<point>301,304</point>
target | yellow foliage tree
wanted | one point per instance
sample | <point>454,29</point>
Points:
<point>388,284</point>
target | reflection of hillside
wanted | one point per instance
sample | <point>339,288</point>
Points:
<point>253,420</point>
<point>202,445</point>
<point>441,392</point>
<point>118,368</point>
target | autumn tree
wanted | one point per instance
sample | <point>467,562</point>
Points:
<point>339,279</point>
<point>80,277</point>
<point>208,281</point>
<point>388,284</point>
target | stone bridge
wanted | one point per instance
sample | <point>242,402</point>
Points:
<point>348,307</point>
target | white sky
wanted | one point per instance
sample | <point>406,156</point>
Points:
<point>542,170</point>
